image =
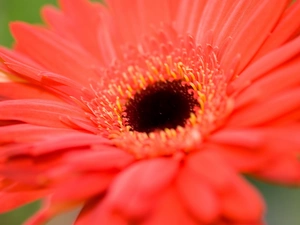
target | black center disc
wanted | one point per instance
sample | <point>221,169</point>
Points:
<point>161,105</point>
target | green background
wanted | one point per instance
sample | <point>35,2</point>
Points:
<point>283,203</point>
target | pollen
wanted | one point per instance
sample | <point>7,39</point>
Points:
<point>161,102</point>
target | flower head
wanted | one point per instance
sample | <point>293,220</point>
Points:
<point>147,112</point>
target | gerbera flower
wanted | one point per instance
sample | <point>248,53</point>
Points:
<point>147,112</point>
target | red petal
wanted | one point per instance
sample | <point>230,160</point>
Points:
<point>201,179</point>
<point>55,143</point>
<point>22,133</point>
<point>259,113</point>
<point>277,81</point>
<point>80,188</point>
<point>100,158</point>
<point>244,138</point>
<point>242,203</point>
<point>138,17</point>
<point>241,159</point>
<point>12,200</point>
<point>255,25</point>
<point>189,15</point>
<point>170,210</point>
<point>70,194</point>
<point>95,212</point>
<point>284,169</point>
<point>135,190</point>
<point>39,112</point>
<point>74,12</point>
<point>270,61</point>
<point>208,167</point>
<point>198,197</point>
<point>54,53</point>
<point>8,91</point>
<point>58,22</point>
<point>63,86</point>
<point>288,26</point>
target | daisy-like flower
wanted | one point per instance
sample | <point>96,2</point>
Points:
<point>147,111</point>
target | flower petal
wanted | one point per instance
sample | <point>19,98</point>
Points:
<point>189,15</point>
<point>74,11</point>
<point>58,143</point>
<point>198,197</point>
<point>282,79</point>
<point>12,200</point>
<point>22,133</point>
<point>25,91</point>
<point>208,167</point>
<point>139,17</point>
<point>170,210</point>
<point>284,169</point>
<point>260,113</point>
<point>242,203</point>
<point>255,24</point>
<point>240,159</point>
<point>134,192</point>
<point>54,53</point>
<point>244,138</point>
<point>87,185</point>
<point>288,26</point>
<point>101,158</point>
<point>58,84</point>
<point>39,112</point>
<point>96,212</point>
<point>270,61</point>
<point>63,199</point>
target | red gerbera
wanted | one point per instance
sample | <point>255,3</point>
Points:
<point>146,112</point>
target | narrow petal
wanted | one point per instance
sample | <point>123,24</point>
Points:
<point>22,133</point>
<point>38,112</point>
<point>209,167</point>
<point>87,185</point>
<point>12,200</point>
<point>283,164</point>
<point>256,26</point>
<point>170,210</point>
<point>198,197</point>
<point>25,91</point>
<point>74,11</point>
<point>277,81</point>
<point>58,22</point>
<point>101,158</point>
<point>59,142</point>
<point>255,148</point>
<point>244,138</point>
<point>140,17</point>
<point>96,212</point>
<point>240,159</point>
<point>189,15</point>
<point>19,57</point>
<point>134,192</point>
<point>215,14</point>
<point>55,83</point>
<point>260,113</point>
<point>284,169</point>
<point>242,203</point>
<point>44,46</point>
<point>287,28</point>
<point>266,64</point>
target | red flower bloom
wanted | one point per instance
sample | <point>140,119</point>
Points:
<point>146,112</point>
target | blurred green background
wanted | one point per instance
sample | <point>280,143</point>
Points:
<point>283,203</point>
<point>25,10</point>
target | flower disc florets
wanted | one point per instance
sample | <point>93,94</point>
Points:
<point>162,100</point>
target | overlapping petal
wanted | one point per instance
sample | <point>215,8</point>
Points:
<point>53,142</point>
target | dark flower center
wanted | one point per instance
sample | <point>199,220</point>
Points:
<point>161,105</point>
